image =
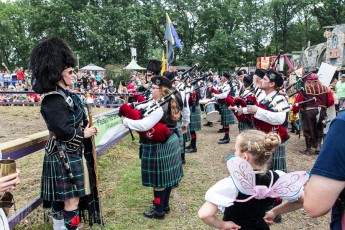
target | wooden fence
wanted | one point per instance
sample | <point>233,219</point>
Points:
<point>22,147</point>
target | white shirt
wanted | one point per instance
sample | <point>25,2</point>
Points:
<point>185,111</point>
<point>224,193</point>
<point>146,123</point>
<point>225,88</point>
<point>273,118</point>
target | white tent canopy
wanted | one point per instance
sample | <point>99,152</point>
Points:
<point>92,67</point>
<point>134,66</point>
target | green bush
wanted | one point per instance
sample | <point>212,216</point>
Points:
<point>117,74</point>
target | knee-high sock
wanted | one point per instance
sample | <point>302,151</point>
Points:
<point>167,197</point>
<point>72,219</point>
<point>226,132</point>
<point>158,200</point>
<point>57,215</point>
<point>193,141</point>
<point>57,210</point>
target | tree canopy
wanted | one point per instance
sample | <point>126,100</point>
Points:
<point>219,34</point>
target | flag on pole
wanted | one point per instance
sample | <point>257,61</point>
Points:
<point>172,39</point>
<point>163,64</point>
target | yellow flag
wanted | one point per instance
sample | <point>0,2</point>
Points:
<point>163,64</point>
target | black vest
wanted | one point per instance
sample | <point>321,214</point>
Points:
<point>249,215</point>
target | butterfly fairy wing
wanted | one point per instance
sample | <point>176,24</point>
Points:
<point>242,175</point>
<point>289,185</point>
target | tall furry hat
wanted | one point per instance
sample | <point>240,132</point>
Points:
<point>47,61</point>
<point>154,66</point>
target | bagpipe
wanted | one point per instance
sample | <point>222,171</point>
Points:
<point>232,82</point>
<point>159,133</point>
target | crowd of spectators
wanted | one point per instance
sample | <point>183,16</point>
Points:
<point>91,82</point>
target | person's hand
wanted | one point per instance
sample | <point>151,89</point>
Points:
<point>269,217</point>
<point>232,107</point>
<point>240,111</point>
<point>212,94</point>
<point>90,131</point>
<point>184,129</point>
<point>252,109</point>
<point>9,182</point>
<point>229,225</point>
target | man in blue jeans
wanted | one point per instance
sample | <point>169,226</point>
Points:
<point>325,190</point>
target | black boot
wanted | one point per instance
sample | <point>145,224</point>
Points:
<point>307,151</point>
<point>193,148</point>
<point>226,138</point>
<point>166,206</point>
<point>157,212</point>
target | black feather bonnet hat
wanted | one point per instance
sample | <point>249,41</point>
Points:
<point>154,66</point>
<point>47,61</point>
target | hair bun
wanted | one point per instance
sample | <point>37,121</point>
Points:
<point>271,141</point>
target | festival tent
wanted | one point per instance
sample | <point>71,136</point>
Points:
<point>133,65</point>
<point>92,67</point>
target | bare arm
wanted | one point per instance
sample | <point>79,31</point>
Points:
<point>283,208</point>
<point>207,214</point>
<point>320,195</point>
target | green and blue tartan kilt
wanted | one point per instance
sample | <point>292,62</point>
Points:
<point>161,164</point>
<point>186,136</point>
<point>279,159</point>
<point>242,126</point>
<point>55,183</point>
<point>180,136</point>
<point>227,116</point>
<point>195,118</point>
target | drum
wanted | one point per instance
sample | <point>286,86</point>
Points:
<point>212,115</point>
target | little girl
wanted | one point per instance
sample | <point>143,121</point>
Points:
<point>247,194</point>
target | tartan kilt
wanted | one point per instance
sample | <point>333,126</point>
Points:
<point>242,126</point>
<point>186,136</point>
<point>279,159</point>
<point>55,183</point>
<point>227,116</point>
<point>180,136</point>
<point>161,164</point>
<point>195,118</point>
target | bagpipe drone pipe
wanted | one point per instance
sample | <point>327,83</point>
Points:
<point>159,133</point>
<point>259,124</point>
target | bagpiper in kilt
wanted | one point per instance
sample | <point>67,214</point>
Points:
<point>270,85</point>
<point>227,116</point>
<point>182,125</point>
<point>269,118</point>
<point>195,118</point>
<point>248,91</point>
<point>161,164</point>
<point>68,178</point>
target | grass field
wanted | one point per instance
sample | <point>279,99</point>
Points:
<point>124,199</point>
